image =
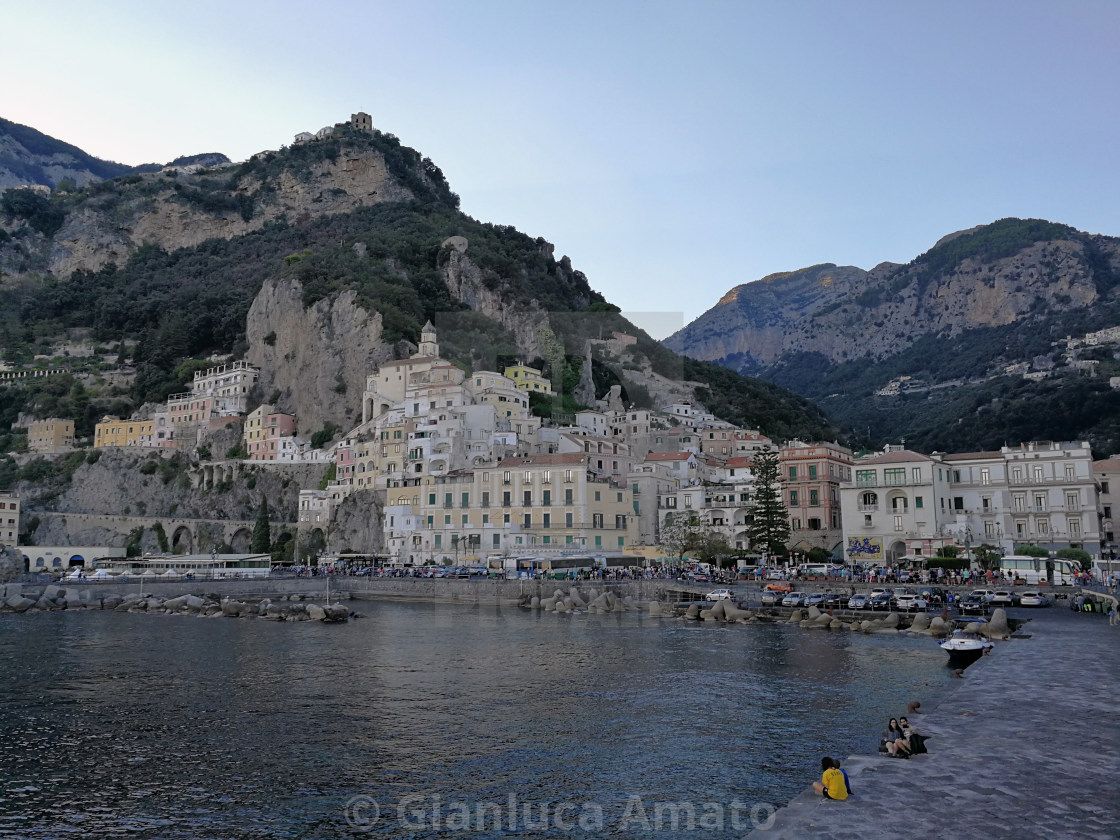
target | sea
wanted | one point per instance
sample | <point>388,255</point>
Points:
<point>431,720</point>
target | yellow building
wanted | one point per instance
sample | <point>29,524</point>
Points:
<point>112,431</point>
<point>9,518</point>
<point>550,503</point>
<point>528,379</point>
<point>50,436</point>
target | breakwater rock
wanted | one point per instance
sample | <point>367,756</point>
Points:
<point>283,608</point>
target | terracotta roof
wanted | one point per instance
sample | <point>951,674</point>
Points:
<point>736,463</point>
<point>972,456</point>
<point>668,456</point>
<point>1107,465</point>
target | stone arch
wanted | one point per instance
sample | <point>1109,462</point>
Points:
<point>241,541</point>
<point>182,541</point>
<point>896,552</point>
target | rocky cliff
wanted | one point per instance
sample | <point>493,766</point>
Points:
<point>976,325</point>
<point>846,313</point>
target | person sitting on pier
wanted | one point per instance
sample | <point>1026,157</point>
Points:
<point>847,782</point>
<point>831,785</point>
<point>897,743</point>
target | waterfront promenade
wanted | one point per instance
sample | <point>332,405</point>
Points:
<point>1028,746</point>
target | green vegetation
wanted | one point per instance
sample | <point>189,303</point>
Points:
<point>768,525</point>
<point>43,214</point>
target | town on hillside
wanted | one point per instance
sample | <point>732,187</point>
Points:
<point>465,472</point>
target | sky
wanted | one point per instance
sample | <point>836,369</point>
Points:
<point>673,150</point>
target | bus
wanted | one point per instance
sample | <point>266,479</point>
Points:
<point>1055,571</point>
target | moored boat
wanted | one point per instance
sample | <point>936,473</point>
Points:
<point>964,649</point>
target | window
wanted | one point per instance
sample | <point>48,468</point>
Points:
<point>1070,473</point>
<point>568,496</point>
<point>447,519</point>
<point>917,501</point>
<point>546,498</point>
<point>867,520</point>
<point>1073,501</point>
<point>793,498</point>
<point>431,498</point>
<point>1036,472</point>
<point>1019,502</point>
<point>958,503</point>
<point>1017,474</point>
<point>1020,528</point>
<point>546,521</point>
<point>567,520</point>
<point>814,497</point>
<point>447,500</point>
<point>793,473</point>
<point>505,498</point>
<point>1108,511</point>
<point>1104,486</point>
<point>1074,528</point>
<point>894,477</point>
<point>486,498</point>
<point>989,528</point>
<point>898,523</point>
<point>466,500</point>
<point>1043,527</point>
<point>985,475</point>
<point>1039,501</point>
<point>597,496</point>
<point>596,520</point>
<point>547,476</point>
<point>900,503</point>
<point>812,471</point>
<point>620,522</point>
<point>527,520</point>
<point>866,478</point>
<point>485,519</point>
<point>527,498</point>
<point>796,523</point>
<point>567,476</point>
<point>916,475</point>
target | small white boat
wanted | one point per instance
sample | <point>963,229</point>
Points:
<point>964,649</point>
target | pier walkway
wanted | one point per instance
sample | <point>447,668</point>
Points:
<point>1028,746</point>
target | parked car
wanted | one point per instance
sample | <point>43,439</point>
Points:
<point>781,586</point>
<point>834,599</point>
<point>974,603</point>
<point>794,599</point>
<point>910,602</point>
<point>1003,598</point>
<point>1033,599</point>
<point>775,574</point>
<point>986,594</point>
<point>718,595</point>
<point>857,602</point>
<point>881,601</point>
<point>815,599</point>
<point>771,598</point>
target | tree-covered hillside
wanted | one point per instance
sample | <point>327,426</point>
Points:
<point>160,308</point>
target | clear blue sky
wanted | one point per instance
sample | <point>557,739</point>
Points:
<point>672,149</point>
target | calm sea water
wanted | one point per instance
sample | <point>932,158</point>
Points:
<point>456,720</point>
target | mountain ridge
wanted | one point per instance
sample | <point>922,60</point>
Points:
<point>1003,295</point>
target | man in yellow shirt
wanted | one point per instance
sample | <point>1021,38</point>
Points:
<point>831,785</point>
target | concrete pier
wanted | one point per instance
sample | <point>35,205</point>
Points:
<point>1028,746</point>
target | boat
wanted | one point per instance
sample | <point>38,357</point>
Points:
<point>964,649</point>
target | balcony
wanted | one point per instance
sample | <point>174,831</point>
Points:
<point>868,508</point>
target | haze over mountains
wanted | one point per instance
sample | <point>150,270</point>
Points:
<point>965,347</point>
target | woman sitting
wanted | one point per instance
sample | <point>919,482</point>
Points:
<point>896,740</point>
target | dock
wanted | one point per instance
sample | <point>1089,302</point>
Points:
<point>1027,746</point>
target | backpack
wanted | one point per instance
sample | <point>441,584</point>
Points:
<point>917,743</point>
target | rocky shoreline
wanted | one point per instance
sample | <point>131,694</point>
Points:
<point>592,601</point>
<point>283,608</point>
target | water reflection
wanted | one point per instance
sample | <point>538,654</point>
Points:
<point>185,727</point>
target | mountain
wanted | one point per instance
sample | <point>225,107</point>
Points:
<point>989,337</point>
<point>316,262</point>
<point>29,157</point>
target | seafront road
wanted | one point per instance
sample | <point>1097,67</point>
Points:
<point>1026,746</point>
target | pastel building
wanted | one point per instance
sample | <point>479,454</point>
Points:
<point>50,436</point>
<point>9,518</point>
